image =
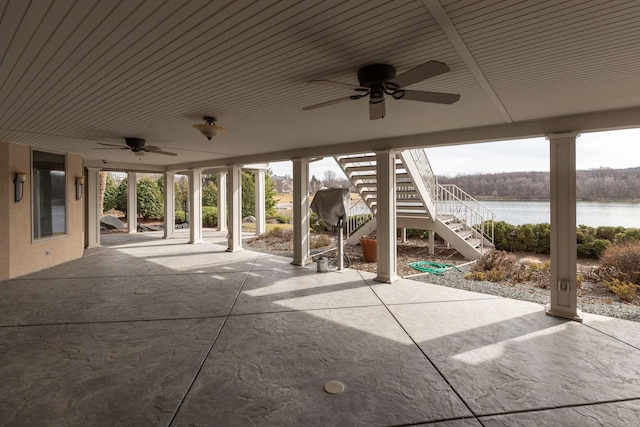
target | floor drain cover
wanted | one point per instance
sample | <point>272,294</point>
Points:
<point>334,387</point>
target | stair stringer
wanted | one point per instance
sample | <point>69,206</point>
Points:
<point>419,184</point>
<point>461,245</point>
<point>366,229</point>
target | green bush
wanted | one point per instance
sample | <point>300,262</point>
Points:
<point>209,216</point>
<point>150,199</point>
<point>608,233</point>
<point>593,248</point>
<point>110,195</point>
<point>281,219</point>
<point>628,235</point>
<point>210,194</point>
<point>180,217</point>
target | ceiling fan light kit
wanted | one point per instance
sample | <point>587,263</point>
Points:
<point>209,129</point>
<point>378,80</point>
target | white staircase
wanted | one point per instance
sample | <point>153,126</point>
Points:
<point>421,203</point>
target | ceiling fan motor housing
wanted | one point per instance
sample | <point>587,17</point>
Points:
<point>136,144</point>
<point>375,75</point>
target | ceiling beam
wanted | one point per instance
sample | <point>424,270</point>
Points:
<point>587,122</point>
<point>447,27</point>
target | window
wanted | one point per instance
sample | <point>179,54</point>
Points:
<point>49,194</point>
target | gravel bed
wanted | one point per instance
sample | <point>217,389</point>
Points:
<point>595,305</point>
<point>588,302</point>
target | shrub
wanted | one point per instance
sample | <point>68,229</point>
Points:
<point>628,235</point>
<point>209,216</point>
<point>621,261</point>
<point>110,194</point>
<point>494,266</point>
<point>592,249</point>
<point>210,194</point>
<point>626,291</point>
<point>281,219</point>
<point>320,241</point>
<point>539,274</point>
<point>477,276</point>
<point>180,217</point>
<point>150,199</point>
<point>495,259</point>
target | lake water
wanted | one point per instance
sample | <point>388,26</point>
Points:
<point>593,214</point>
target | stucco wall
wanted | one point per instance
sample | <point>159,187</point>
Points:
<point>6,197</point>
<point>25,254</point>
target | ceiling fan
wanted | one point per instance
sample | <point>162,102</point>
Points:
<point>378,80</point>
<point>137,145</point>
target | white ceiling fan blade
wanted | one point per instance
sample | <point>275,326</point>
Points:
<point>435,97</point>
<point>421,72</point>
<point>331,83</point>
<point>377,110</point>
<point>327,103</point>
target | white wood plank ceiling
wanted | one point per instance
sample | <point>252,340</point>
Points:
<point>75,73</point>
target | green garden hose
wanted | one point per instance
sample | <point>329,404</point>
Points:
<point>431,267</point>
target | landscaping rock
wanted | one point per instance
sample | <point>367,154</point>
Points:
<point>112,223</point>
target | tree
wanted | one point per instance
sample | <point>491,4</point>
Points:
<point>331,179</point>
<point>210,194</point>
<point>248,193</point>
<point>121,196</point>
<point>110,194</point>
<point>150,199</point>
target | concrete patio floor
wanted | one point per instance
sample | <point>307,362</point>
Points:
<point>151,332</point>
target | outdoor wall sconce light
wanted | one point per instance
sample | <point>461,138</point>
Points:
<point>209,128</point>
<point>19,181</point>
<point>79,187</point>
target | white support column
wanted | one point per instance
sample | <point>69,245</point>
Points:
<point>222,201</point>
<point>234,205</point>
<point>132,202</point>
<point>260,211</point>
<point>564,289</point>
<point>92,208</point>
<point>301,216</point>
<point>386,217</point>
<point>195,206</point>
<point>169,204</point>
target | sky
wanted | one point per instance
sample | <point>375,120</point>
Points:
<point>612,149</point>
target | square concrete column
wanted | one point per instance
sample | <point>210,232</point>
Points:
<point>301,216</point>
<point>386,217</point>
<point>132,202</point>
<point>92,208</point>
<point>260,211</point>
<point>169,204</point>
<point>222,201</point>
<point>195,206</point>
<point>234,208</point>
<point>564,289</point>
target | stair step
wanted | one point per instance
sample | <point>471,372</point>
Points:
<point>476,243</point>
<point>357,159</point>
<point>465,234</point>
<point>364,176</point>
<point>456,226</point>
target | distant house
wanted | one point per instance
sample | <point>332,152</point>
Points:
<point>282,184</point>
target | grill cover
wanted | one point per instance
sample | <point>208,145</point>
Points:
<point>331,205</point>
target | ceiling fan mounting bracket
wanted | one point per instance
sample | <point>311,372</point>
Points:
<point>375,75</point>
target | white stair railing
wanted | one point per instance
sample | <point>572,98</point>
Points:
<point>359,214</point>
<point>454,202</point>
<point>426,172</point>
